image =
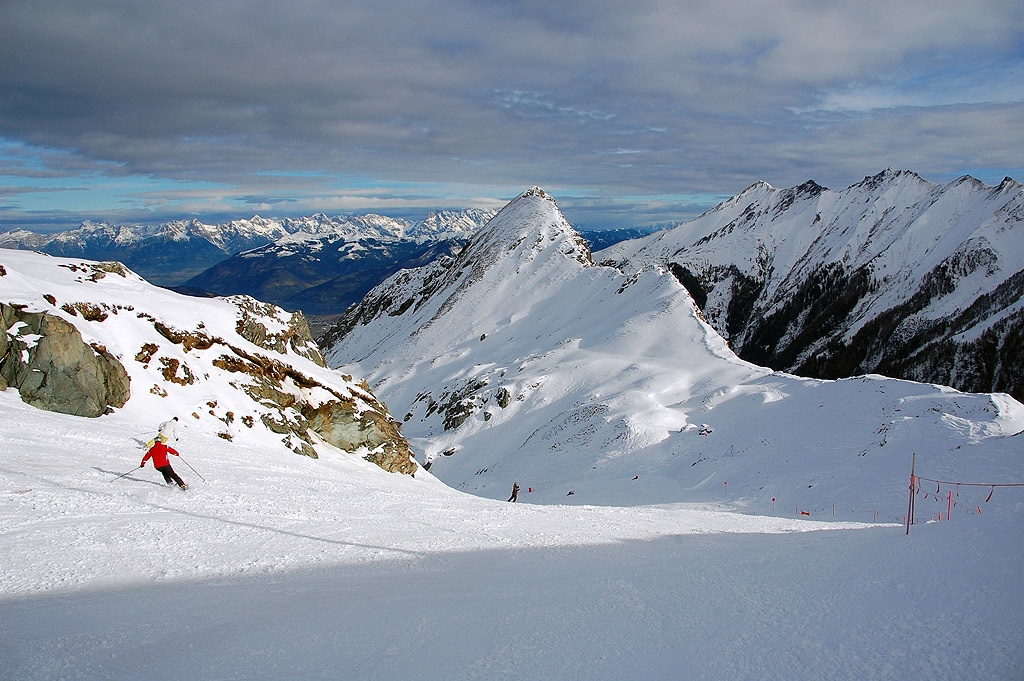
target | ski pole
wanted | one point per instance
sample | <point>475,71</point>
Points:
<point>124,474</point>
<point>190,466</point>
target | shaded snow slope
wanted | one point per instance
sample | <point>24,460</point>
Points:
<point>521,361</point>
<point>279,566</point>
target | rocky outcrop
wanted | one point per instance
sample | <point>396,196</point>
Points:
<point>295,405</point>
<point>342,426</point>
<point>293,335</point>
<point>304,410</point>
<point>45,358</point>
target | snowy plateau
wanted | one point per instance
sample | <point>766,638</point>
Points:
<point>682,513</point>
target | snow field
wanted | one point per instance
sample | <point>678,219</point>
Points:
<point>284,567</point>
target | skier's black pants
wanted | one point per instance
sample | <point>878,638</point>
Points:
<point>170,476</point>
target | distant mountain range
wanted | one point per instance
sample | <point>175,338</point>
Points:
<point>330,264</point>
<point>318,264</point>
<point>170,254</point>
<point>165,254</point>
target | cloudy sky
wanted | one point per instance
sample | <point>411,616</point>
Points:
<point>628,112</point>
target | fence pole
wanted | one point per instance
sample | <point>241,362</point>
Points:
<point>910,504</point>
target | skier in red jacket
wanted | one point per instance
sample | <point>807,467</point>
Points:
<point>159,452</point>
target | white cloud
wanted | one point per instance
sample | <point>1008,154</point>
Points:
<point>698,97</point>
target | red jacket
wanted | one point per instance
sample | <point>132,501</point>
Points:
<point>159,452</point>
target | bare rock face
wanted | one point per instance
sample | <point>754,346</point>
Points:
<point>340,425</point>
<point>294,334</point>
<point>45,358</point>
<point>332,416</point>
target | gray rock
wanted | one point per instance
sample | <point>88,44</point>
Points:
<point>296,338</point>
<point>46,359</point>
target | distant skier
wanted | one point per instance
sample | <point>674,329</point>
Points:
<point>515,492</point>
<point>167,432</point>
<point>158,452</point>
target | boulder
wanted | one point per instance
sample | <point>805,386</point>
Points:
<point>340,425</point>
<point>46,359</point>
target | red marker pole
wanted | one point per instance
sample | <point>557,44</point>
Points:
<point>949,506</point>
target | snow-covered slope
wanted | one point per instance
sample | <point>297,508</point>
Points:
<point>277,566</point>
<point>236,368</point>
<point>520,360</point>
<point>893,275</point>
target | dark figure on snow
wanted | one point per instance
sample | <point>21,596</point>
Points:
<point>515,492</point>
<point>158,452</point>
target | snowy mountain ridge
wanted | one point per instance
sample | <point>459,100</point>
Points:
<point>520,359</point>
<point>894,275</point>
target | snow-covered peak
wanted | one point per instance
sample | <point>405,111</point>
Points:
<point>893,222</point>
<point>1009,185</point>
<point>519,253</point>
<point>517,361</point>
<point>890,177</point>
<point>449,223</point>
<point>832,283</point>
<point>528,227</point>
<point>22,238</point>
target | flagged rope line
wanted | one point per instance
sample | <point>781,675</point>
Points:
<point>952,486</point>
<point>972,484</point>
